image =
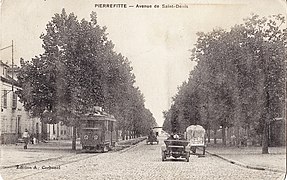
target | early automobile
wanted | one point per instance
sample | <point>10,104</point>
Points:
<point>175,148</point>
<point>195,134</point>
<point>152,139</point>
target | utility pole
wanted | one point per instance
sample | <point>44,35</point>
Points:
<point>12,66</point>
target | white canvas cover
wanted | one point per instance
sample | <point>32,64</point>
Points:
<point>195,134</point>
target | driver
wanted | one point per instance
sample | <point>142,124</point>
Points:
<point>176,136</point>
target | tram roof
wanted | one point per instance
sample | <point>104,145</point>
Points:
<point>89,128</point>
<point>98,117</point>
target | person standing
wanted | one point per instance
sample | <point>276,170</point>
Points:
<point>26,138</point>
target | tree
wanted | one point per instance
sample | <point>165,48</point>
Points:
<point>78,70</point>
<point>240,76</point>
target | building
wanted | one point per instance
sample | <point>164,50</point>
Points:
<point>59,131</point>
<point>13,117</point>
<point>157,130</point>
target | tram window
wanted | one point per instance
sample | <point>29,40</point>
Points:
<point>114,126</point>
<point>90,124</point>
<point>97,125</point>
<point>84,124</point>
<point>93,124</point>
<point>110,124</point>
<point>106,125</point>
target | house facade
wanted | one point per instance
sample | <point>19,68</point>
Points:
<point>59,131</point>
<point>13,117</point>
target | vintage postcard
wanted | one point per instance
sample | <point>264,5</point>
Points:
<point>167,89</point>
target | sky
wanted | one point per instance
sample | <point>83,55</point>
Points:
<point>156,40</point>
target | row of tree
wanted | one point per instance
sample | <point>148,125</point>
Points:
<point>78,70</point>
<point>239,80</point>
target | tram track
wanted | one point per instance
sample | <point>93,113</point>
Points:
<point>31,169</point>
<point>26,170</point>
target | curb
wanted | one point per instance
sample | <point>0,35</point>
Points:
<point>128,147</point>
<point>245,165</point>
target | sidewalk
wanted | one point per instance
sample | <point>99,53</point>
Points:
<point>251,157</point>
<point>12,155</point>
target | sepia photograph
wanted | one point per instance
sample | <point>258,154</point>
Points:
<point>141,90</point>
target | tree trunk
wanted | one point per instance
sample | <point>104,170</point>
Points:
<point>223,136</point>
<point>208,135</point>
<point>123,134</point>
<point>74,138</point>
<point>265,138</point>
<point>228,137</point>
<point>117,135</point>
<point>43,131</point>
<point>249,139</point>
<point>267,106</point>
<point>215,140</point>
<point>237,136</point>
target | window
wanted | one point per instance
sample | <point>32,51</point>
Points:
<point>37,128</point>
<point>14,101</point>
<point>54,132</point>
<point>111,125</point>
<point>18,126</point>
<point>5,98</point>
<point>4,71</point>
<point>92,124</point>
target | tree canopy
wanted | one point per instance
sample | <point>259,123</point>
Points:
<point>78,70</point>
<point>239,78</point>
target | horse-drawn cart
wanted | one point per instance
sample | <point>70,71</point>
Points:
<point>195,134</point>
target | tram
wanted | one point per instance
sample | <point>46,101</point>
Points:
<point>98,132</point>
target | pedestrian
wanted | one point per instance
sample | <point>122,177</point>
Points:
<point>26,138</point>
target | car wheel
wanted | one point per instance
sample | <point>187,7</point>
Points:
<point>163,156</point>
<point>105,149</point>
<point>187,156</point>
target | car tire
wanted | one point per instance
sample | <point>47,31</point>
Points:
<point>163,156</point>
<point>187,156</point>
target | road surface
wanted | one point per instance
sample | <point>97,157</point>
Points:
<point>138,162</point>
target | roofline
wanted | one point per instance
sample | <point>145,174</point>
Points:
<point>10,81</point>
<point>2,63</point>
